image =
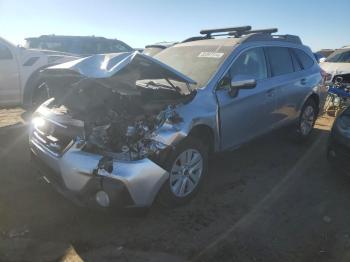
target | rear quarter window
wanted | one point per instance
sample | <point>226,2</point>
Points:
<point>280,60</point>
<point>305,60</point>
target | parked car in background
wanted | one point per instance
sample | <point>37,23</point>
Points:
<point>338,150</point>
<point>20,83</point>
<point>325,52</point>
<point>143,130</point>
<point>81,45</point>
<point>319,57</point>
<point>139,49</point>
<point>154,49</point>
<point>338,64</point>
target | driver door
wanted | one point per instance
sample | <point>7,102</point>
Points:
<point>250,113</point>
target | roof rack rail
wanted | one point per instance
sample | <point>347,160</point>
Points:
<point>289,38</point>
<point>267,37</point>
<point>194,38</point>
<point>209,32</point>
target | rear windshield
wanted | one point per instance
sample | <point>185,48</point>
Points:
<point>339,56</point>
<point>197,62</point>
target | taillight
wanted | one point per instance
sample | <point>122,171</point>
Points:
<point>325,76</point>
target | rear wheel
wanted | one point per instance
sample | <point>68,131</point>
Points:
<point>187,166</point>
<point>307,120</point>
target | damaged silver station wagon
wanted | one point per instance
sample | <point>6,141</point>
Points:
<point>126,129</point>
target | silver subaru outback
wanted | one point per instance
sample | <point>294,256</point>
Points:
<point>128,129</point>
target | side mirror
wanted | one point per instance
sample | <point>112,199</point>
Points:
<point>244,84</point>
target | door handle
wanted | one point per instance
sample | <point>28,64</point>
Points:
<point>270,92</point>
<point>303,81</point>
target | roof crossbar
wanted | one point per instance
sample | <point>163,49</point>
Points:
<point>209,32</point>
<point>246,33</point>
<point>263,31</point>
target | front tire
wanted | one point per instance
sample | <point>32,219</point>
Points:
<point>187,166</point>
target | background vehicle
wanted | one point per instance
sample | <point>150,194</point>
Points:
<point>338,97</point>
<point>319,57</point>
<point>147,126</point>
<point>338,150</point>
<point>325,52</point>
<point>81,45</point>
<point>338,64</point>
<point>154,49</point>
<point>19,73</point>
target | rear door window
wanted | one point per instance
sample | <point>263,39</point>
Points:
<point>280,60</point>
<point>305,60</point>
<point>295,60</point>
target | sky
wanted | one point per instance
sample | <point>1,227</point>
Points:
<point>319,23</point>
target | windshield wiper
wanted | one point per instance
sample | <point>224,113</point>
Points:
<point>157,84</point>
<point>178,88</point>
<point>174,86</point>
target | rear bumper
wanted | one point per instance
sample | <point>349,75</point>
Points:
<point>76,175</point>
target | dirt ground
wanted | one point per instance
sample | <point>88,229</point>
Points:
<point>10,117</point>
<point>271,200</point>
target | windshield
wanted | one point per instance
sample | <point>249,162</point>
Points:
<point>197,62</point>
<point>339,56</point>
<point>152,51</point>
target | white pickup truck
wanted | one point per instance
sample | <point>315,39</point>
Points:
<point>20,82</point>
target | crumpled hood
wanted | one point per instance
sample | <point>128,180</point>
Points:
<point>119,70</point>
<point>335,68</point>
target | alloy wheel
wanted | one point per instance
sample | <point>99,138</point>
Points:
<point>307,120</point>
<point>186,172</point>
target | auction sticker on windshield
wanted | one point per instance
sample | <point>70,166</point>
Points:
<point>210,54</point>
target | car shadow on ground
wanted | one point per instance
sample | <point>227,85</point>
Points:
<point>236,182</point>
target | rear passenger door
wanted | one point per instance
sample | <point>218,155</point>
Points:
<point>306,78</point>
<point>285,83</point>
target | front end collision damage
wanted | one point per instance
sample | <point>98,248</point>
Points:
<point>142,178</point>
<point>123,139</point>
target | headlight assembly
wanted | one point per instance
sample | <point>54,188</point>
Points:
<point>38,122</point>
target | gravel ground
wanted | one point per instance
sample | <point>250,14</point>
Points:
<point>271,200</point>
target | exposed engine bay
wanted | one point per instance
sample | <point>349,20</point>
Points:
<point>120,125</point>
